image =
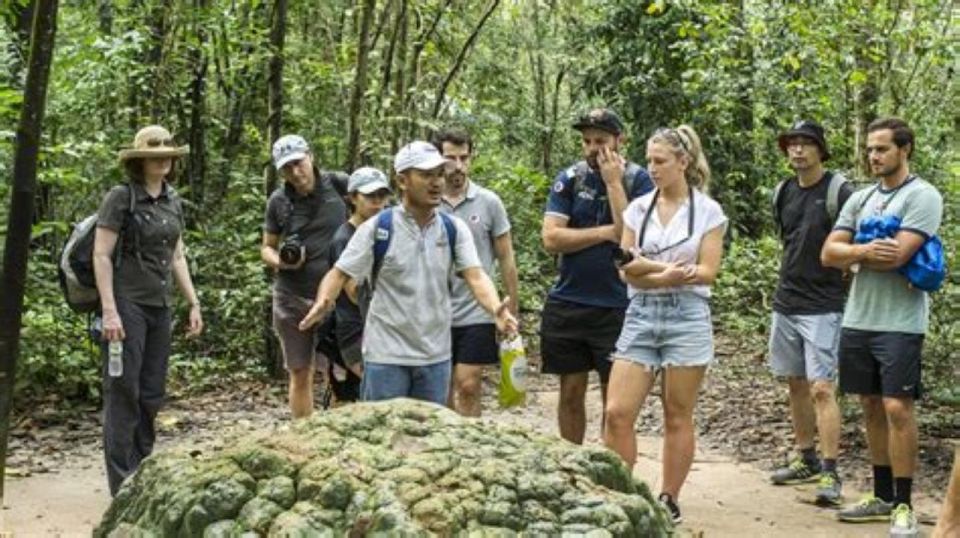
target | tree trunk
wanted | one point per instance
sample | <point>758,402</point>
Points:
<point>105,16</point>
<point>275,85</point>
<point>272,353</point>
<point>385,78</point>
<point>461,56</point>
<point>399,89</point>
<point>17,244</point>
<point>410,107</point>
<point>359,83</point>
<point>196,161</point>
<point>158,34</point>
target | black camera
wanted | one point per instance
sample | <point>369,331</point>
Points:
<point>291,250</point>
<point>621,257</point>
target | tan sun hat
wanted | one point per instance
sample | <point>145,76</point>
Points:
<point>153,141</point>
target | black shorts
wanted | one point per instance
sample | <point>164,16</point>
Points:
<point>880,363</point>
<point>578,338</point>
<point>475,344</point>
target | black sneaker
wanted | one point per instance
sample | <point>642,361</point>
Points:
<point>797,472</point>
<point>667,501</point>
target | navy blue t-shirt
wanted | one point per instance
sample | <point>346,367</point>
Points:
<point>588,276</point>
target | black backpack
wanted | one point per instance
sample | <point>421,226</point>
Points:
<point>77,280</point>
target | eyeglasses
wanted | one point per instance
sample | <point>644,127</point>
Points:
<point>673,134</point>
<point>157,142</point>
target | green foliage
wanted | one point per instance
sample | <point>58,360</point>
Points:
<point>743,294</point>
<point>524,193</point>
<point>739,72</point>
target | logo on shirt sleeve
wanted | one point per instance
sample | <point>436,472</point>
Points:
<point>558,186</point>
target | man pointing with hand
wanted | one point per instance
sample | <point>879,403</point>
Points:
<point>408,255</point>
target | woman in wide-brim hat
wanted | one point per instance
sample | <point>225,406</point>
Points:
<point>138,255</point>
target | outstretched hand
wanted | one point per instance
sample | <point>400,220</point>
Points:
<point>317,313</point>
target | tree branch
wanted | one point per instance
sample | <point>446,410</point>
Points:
<point>461,56</point>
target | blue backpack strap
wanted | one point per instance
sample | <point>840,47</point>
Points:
<point>381,242</point>
<point>451,228</point>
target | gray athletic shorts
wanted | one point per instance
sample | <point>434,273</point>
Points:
<point>299,347</point>
<point>805,345</point>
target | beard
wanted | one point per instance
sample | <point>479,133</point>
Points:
<point>456,179</point>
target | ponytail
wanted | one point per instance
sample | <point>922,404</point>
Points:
<point>698,171</point>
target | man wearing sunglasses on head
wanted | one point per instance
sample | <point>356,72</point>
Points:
<point>582,223</point>
<point>301,219</point>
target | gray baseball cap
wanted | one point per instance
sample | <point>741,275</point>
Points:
<point>289,148</point>
<point>367,180</point>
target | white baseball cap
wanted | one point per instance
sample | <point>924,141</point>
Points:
<point>289,148</point>
<point>419,155</point>
<point>367,180</point>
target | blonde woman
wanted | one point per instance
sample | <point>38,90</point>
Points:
<point>673,242</point>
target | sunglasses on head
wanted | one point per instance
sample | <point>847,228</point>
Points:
<point>158,142</point>
<point>672,134</point>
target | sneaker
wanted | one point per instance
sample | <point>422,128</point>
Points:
<point>903,522</point>
<point>869,508</point>
<point>829,490</point>
<point>667,501</point>
<point>798,472</point>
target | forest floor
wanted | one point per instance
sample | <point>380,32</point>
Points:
<point>55,483</point>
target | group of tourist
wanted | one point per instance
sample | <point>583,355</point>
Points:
<point>406,291</point>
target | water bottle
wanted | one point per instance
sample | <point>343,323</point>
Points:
<point>115,363</point>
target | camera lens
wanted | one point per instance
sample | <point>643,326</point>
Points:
<point>290,251</point>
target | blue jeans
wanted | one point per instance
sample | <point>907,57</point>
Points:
<point>430,383</point>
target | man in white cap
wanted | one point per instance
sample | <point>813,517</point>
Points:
<point>301,217</point>
<point>368,190</point>
<point>408,253</point>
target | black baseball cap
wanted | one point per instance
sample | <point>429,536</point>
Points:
<point>600,118</point>
<point>806,129</point>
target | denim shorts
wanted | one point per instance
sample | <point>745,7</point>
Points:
<point>668,329</point>
<point>805,345</point>
<point>430,382</point>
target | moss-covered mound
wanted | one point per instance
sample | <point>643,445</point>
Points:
<point>398,467</point>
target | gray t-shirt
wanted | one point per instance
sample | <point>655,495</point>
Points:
<point>408,323</point>
<point>316,217</point>
<point>883,301</point>
<point>486,217</point>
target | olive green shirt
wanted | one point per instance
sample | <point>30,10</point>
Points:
<point>146,243</point>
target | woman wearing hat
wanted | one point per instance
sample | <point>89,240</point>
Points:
<point>138,254</point>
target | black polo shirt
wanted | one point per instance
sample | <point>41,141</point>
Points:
<point>315,218</point>
<point>146,243</point>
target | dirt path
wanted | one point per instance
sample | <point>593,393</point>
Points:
<point>721,497</point>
